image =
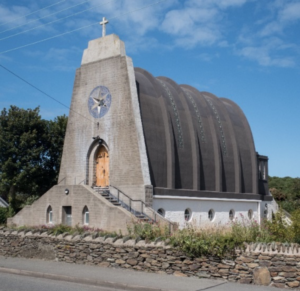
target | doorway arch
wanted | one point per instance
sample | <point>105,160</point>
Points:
<point>102,167</point>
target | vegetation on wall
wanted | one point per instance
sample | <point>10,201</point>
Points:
<point>30,153</point>
<point>213,240</point>
<point>286,192</point>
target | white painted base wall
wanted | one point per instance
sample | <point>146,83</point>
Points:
<point>174,208</point>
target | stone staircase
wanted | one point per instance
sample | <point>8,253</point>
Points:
<point>105,193</point>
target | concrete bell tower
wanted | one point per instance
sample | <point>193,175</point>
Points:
<point>105,124</point>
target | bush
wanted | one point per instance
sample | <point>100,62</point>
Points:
<point>215,241</point>
<point>3,215</point>
<point>148,231</point>
<point>279,229</point>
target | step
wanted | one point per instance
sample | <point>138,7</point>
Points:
<point>140,216</point>
<point>116,203</point>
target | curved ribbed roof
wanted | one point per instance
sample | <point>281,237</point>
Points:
<point>194,139</point>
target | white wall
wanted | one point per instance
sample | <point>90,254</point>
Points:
<point>175,207</point>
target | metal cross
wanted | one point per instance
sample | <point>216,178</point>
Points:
<point>103,23</point>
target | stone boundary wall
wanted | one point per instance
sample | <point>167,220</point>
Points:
<point>275,265</point>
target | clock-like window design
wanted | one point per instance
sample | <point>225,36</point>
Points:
<point>99,101</point>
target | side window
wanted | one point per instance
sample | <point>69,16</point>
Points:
<point>161,212</point>
<point>211,214</point>
<point>231,214</point>
<point>86,216</point>
<point>187,214</point>
<point>49,216</point>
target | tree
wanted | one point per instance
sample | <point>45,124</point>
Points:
<point>286,192</point>
<point>30,151</point>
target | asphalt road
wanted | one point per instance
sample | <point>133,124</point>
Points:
<point>10,282</point>
<point>19,274</point>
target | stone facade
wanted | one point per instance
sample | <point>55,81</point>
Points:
<point>274,264</point>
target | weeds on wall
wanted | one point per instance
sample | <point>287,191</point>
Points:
<point>214,240</point>
<point>148,231</point>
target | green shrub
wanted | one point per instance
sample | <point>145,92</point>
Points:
<point>295,227</point>
<point>214,241</point>
<point>279,229</point>
<point>148,231</point>
<point>3,215</point>
<point>59,229</point>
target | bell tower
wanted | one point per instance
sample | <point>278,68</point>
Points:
<point>105,117</point>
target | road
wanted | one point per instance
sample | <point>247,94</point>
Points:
<point>20,283</point>
<point>17,274</point>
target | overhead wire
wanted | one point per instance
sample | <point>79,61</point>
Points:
<point>41,91</point>
<point>46,94</point>
<point>44,24</point>
<point>77,29</point>
<point>34,20</point>
<point>32,12</point>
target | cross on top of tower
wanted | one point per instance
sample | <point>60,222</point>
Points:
<point>103,23</point>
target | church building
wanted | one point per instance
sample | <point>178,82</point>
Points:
<point>139,146</point>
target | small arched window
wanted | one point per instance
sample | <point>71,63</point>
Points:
<point>86,216</point>
<point>187,214</point>
<point>231,214</point>
<point>49,218</point>
<point>161,212</point>
<point>250,214</point>
<point>211,214</point>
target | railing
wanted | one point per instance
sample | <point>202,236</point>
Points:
<point>132,207</point>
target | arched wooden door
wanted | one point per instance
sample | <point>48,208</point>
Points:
<point>102,167</point>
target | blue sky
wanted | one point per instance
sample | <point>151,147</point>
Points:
<point>245,50</point>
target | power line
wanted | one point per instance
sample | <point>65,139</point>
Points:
<point>45,39</point>
<point>32,13</point>
<point>10,36</point>
<point>34,20</point>
<point>41,91</point>
<point>80,28</point>
<point>46,94</point>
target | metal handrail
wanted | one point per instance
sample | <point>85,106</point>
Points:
<point>142,207</point>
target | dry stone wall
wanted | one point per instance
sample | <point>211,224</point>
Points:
<point>274,265</point>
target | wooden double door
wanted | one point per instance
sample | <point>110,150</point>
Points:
<point>102,167</point>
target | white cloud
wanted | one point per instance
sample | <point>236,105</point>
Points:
<point>128,15</point>
<point>266,42</point>
<point>183,23</point>
<point>269,53</point>
<point>291,12</point>
<point>199,22</point>
<point>220,3</point>
<point>10,17</point>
